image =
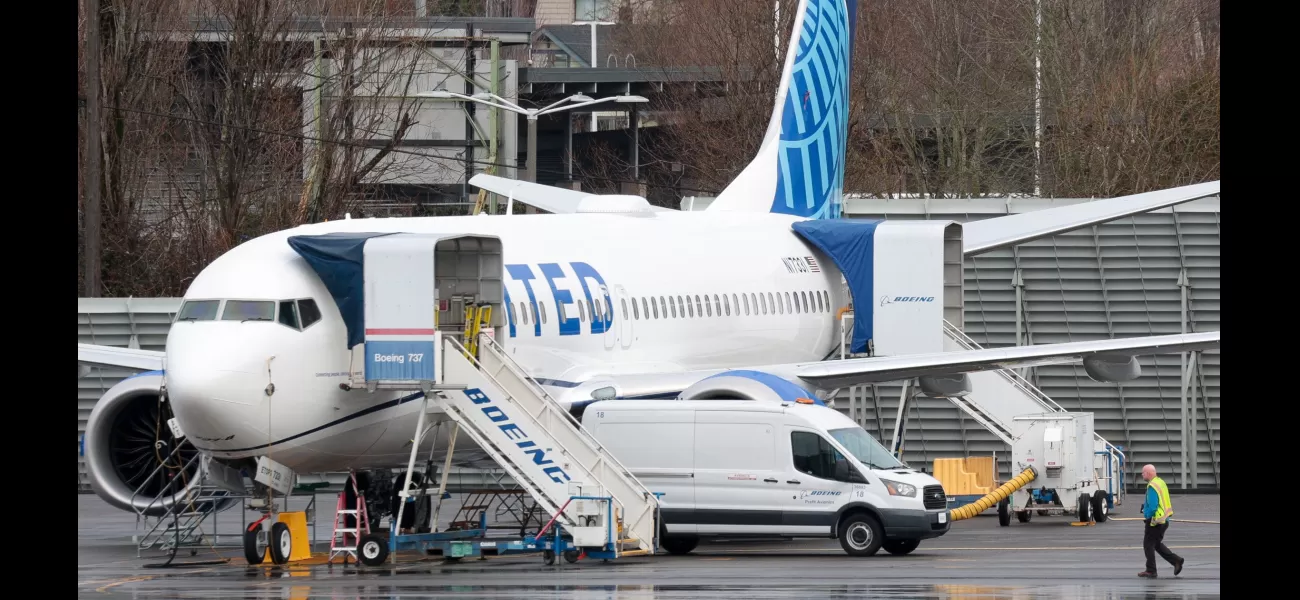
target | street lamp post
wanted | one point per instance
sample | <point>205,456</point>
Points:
<point>531,114</point>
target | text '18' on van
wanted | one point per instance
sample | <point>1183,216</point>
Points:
<point>735,468</point>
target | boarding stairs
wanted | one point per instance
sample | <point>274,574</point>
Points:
<point>536,441</point>
<point>551,428</point>
<point>182,524</point>
<point>996,397</point>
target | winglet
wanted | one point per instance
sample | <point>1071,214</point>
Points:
<point>1000,232</point>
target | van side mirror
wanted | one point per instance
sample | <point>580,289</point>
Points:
<point>845,472</point>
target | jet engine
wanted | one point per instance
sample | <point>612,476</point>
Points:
<point>747,385</point>
<point>129,445</point>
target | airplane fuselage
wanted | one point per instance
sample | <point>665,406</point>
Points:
<point>681,291</point>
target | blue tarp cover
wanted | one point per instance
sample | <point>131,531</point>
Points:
<point>851,244</point>
<point>338,258</point>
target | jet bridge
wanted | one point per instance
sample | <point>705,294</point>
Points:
<point>387,287</point>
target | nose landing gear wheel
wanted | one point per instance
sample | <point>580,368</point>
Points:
<point>281,543</point>
<point>254,545</point>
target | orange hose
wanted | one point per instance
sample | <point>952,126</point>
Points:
<point>992,498</point>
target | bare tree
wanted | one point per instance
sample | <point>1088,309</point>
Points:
<point>943,99</point>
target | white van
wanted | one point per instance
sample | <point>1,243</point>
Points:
<point>735,468</point>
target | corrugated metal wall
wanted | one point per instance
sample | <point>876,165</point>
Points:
<point>1120,279</point>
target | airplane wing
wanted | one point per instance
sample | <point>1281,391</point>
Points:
<point>90,355</point>
<point>860,371</point>
<point>548,198</point>
<point>1000,232</point>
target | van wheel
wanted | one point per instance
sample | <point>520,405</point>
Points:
<point>900,547</point>
<point>861,535</point>
<point>680,544</point>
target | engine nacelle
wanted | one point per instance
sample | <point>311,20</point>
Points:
<point>1112,368</point>
<point>748,385</point>
<point>127,439</point>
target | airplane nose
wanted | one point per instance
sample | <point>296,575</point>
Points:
<point>215,390</point>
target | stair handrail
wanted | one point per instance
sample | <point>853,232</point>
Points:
<point>555,405</point>
<point>140,512</point>
<point>1009,374</point>
<point>1017,379</point>
<point>550,404</point>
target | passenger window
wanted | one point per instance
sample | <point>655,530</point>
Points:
<point>787,307</point>
<point>535,319</point>
<point>803,298</point>
<point>655,308</point>
<point>636,310</point>
<point>735,300</point>
<point>198,310</point>
<point>560,312</point>
<point>821,307</point>
<point>771,302</point>
<point>308,312</point>
<point>717,305</point>
<point>510,308</point>
<point>645,308</point>
<point>523,313</point>
<point>288,314</point>
<point>690,308</point>
<point>746,300</point>
<point>699,308</point>
<point>708,308</point>
<point>249,310</point>
<point>541,306</point>
<point>663,307</point>
<point>623,302</point>
<point>672,306</point>
<point>813,455</point>
<point>726,304</point>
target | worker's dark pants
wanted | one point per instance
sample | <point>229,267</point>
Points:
<point>1153,541</point>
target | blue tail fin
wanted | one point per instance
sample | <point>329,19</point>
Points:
<point>799,169</point>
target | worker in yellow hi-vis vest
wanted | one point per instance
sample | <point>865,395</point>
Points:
<point>1156,510</point>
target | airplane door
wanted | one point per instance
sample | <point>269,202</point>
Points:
<point>611,317</point>
<point>624,317</point>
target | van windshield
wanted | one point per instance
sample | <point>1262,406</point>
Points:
<point>865,448</point>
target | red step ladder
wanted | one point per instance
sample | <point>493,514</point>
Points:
<point>339,542</point>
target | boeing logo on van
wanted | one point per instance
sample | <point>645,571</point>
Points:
<point>887,299</point>
<point>807,493</point>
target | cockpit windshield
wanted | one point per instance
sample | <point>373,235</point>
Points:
<point>295,314</point>
<point>249,310</point>
<point>865,448</point>
<point>198,310</point>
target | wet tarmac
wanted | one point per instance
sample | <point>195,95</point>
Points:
<point>1045,558</point>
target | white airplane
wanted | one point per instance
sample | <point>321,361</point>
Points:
<point>606,297</point>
